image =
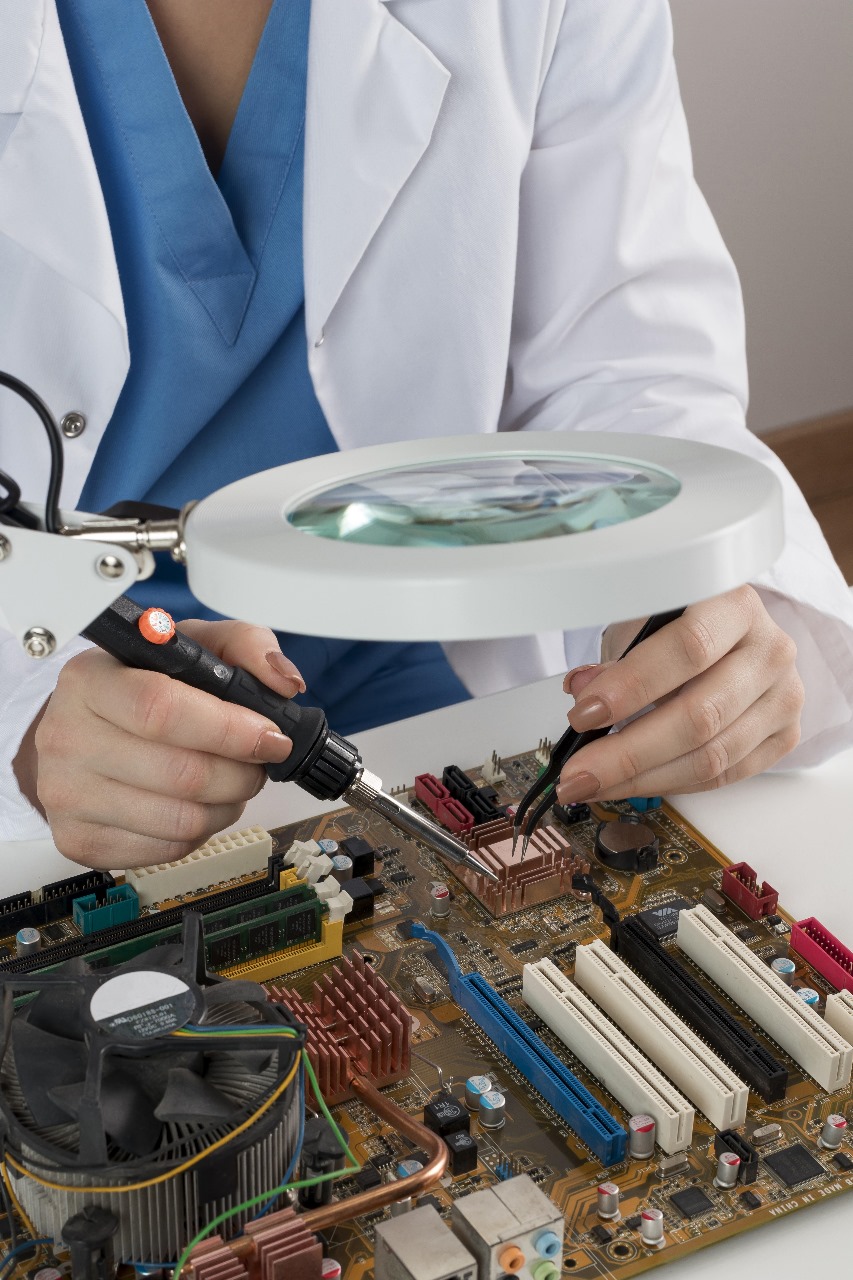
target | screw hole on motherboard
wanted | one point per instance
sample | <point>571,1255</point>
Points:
<point>368,958</point>
<point>569,1264</point>
<point>621,1250</point>
<point>675,856</point>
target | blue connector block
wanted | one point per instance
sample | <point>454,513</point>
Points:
<point>643,804</point>
<point>121,906</point>
<point>560,1088</point>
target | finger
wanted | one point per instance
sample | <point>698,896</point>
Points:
<point>687,721</point>
<point>155,707</point>
<point>170,771</point>
<point>677,653</point>
<point>768,753</point>
<point>774,713</point>
<point>579,677</point>
<point>242,644</point>
<point>97,845</point>
<point>163,818</point>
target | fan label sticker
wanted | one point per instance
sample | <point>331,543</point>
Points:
<point>142,1005</point>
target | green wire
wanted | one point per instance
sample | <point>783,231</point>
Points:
<point>352,1167</point>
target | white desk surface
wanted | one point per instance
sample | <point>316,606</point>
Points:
<point>793,828</point>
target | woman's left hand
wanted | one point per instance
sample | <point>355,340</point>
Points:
<point>726,699</point>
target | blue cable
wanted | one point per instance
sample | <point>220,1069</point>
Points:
<point>299,1139</point>
<point>21,1248</point>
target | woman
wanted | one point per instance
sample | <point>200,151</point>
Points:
<point>500,231</point>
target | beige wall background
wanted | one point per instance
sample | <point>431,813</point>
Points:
<point>768,89</point>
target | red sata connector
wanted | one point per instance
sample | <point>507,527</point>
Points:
<point>453,815</point>
<point>823,952</point>
<point>430,791</point>
<point>740,883</point>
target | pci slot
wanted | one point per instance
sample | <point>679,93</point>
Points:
<point>839,1013</point>
<point>703,1077</point>
<point>824,952</point>
<point>627,1074</point>
<point>559,1086</point>
<point>638,946</point>
<point>817,1047</point>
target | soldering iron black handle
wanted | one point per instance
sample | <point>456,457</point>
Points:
<point>321,762</point>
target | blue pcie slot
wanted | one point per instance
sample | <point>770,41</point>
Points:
<point>560,1088</point>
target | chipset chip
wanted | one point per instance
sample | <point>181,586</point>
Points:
<point>663,920</point>
<point>794,1165</point>
<point>691,1202</point>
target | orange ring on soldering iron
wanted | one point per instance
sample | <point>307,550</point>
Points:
<point>157,626</point>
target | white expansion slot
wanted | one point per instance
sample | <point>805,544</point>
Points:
<point>222,858</point>
<point>818,1048</point>
<point>635,1082</point>
<point>839,1013</point>
<point>688,1062</point>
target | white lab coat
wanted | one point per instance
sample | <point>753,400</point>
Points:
<point>501,232</point>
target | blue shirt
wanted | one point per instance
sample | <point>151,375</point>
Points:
<point>212,279</point>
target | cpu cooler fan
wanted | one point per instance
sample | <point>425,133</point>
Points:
<point>97,1091</point>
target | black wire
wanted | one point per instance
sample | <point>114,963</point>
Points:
<point>51,506</point>
<point>13,493</point>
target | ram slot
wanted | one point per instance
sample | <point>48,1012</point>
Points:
<point>691,1066</point>
<point>711,1019</point>
<point>559,1086</point>
<point>839,1013</point>
<point>624,1072</point>
<point>818,1048</point>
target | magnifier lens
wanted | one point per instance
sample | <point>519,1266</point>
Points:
<point>485,500</point>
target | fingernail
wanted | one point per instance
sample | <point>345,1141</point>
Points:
<point>568,683</point>
<point>581,786</point>
<point>272,747</point>
<point>590,713</point>
<point>286,669</point>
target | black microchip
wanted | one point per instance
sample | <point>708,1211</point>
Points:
<point>600,1235</point>
<point>53,932</point>
<point>263,938</point>
<point>5,952</point>
<point>445,1115</point>
<point>224,951</point>
<point>528,945</point>
<point>432,1202</point>
<point>842,1161</point>
<point>401,877</point>
<point>749,1200</point>
<point>368,1178</point>
<point>772,921</point>
<point>301,925</point>
<point>663,920</point>
<point>463,1154</point>
<point>363,855</point>
<point>794,1165</point>
<point>691,1202</point>
<point>633,1223</point>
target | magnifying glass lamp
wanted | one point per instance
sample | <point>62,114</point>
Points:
<point>469,538</point>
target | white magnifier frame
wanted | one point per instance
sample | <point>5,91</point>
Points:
<point>245,558</point>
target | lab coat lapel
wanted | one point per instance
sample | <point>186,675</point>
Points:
<point>374,95</point>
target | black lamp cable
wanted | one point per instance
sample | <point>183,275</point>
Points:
<point>9,510</point>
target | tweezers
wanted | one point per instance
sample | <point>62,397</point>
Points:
<point>562,751</point>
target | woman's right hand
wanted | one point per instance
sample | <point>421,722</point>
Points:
<point>134,768</point>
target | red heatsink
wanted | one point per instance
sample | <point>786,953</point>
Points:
<point>740,883</point>
<point>354,1021</point>
<point>823,952</point>
<point>282,1248</point>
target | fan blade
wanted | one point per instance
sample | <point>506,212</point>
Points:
<point>45,1062</point>
<point>57,1007</point>
<point>190,1099</point>
<point>126,1112</point>
<point>234,991</point>
<point>252,1062</point>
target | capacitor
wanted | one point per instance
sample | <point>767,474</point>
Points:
<point>475,1087</point>
<point>342,867</point>
<point>832,1133</point>
<point>27,941</point>
<point>641,1137</point>
<point>331,848</point>
<point>439,896</point>
<point>651,1228</point>
<point>728,1168</point>
<point>808,995</point>
<point>608,1201</point>
<point>492,1110</point>
<point>406,1168</point>
<point>785,968</point>
<point>330,1269</point>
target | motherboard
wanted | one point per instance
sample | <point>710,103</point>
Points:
<point>625,1031</point>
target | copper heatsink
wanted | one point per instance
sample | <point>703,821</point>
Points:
<point>277,1247</point>
<point>546,872</point>
<point>355,1022</point>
